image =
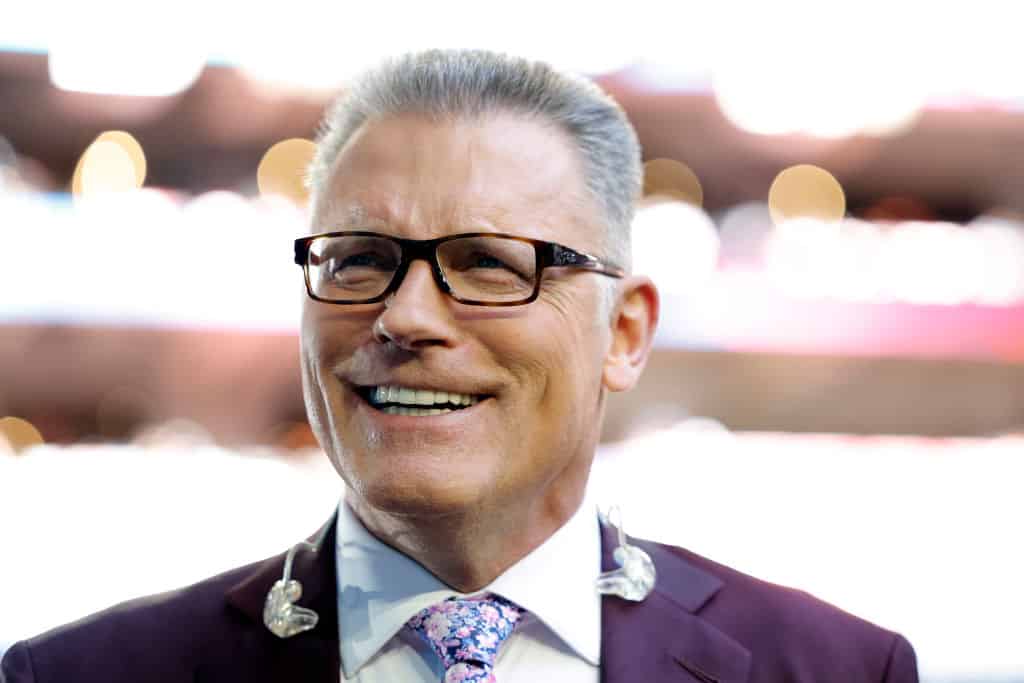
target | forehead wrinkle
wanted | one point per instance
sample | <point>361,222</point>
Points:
<point>535,221</point>
<point>342,214</point>
<point>348,213</point>
<point>338,214</point>
<point>465,207</point>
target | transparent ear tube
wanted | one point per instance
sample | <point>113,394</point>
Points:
<point>280,613</point>
<point>635,578</point>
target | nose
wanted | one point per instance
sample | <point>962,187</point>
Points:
<point>416,315</point>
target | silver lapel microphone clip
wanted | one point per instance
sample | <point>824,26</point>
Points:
<point>280,613</point>
<point>635,578</point>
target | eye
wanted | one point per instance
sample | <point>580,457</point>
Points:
<point>362,261</point>
<point>492,257</point>
<point>486,261</point>
<point>365,259</point>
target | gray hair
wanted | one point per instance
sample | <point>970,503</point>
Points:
<point>469,83</point>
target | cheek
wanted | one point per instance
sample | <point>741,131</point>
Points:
<point>313,394</point>
<point>312,364</point>
<point>331,336</point>
<point>563,356</point>
<point>576,341</point>
<point>320,351</point>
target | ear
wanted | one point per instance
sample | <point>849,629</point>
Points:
<point>632,326</point>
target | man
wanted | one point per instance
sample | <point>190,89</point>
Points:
<point>468,308</point>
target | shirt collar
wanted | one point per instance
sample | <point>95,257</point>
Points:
<point>380,589</point>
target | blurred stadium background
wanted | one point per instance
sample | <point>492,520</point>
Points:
<point>834,211</point>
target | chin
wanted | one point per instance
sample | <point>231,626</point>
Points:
<point>421,496</point>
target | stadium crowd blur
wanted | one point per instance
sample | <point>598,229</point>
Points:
<point>835,219</point>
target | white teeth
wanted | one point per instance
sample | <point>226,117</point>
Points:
<point>420,397</point>
<point>405,410</point>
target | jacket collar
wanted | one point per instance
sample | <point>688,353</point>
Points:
<point>663,638</point>
<point>309,656</point>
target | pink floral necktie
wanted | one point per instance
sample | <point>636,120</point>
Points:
<point>466,634</point>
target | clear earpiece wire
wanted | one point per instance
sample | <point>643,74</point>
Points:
<point>635,578</point>
<point>280,613</point>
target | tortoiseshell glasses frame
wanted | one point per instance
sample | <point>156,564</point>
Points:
<point>546,255</point>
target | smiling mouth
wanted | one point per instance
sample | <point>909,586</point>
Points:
<point>399,400</point>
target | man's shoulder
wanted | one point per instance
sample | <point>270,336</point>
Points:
<point>750,596</point>
<point>157,637</point>
<point>789,629</point>
<point>196,604</point>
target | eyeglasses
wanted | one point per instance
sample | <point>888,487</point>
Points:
<point>477,268</point>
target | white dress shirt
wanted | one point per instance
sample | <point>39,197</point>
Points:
<point>380,589</point>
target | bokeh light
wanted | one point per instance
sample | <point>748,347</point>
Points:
<point>113,163</point>
<point>285,50</point>
<point>806,191</point>
<point>934,263</point>
<point>815,73</point>
<point>676,243</point>
<point>19,434</point>
<point>744,229</point>
<point>124,52</point>
<point>282,170</point>
<point>132,148</point>
<point>673,180</point>
<point>927,263</point>
<point>1003,246</point>
<point>802,258</point>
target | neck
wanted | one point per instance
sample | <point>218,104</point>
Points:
<point>469,549</point>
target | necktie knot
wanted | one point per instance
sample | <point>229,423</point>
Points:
<point>466,634</point>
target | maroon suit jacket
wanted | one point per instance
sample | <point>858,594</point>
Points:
<point>703,623</point>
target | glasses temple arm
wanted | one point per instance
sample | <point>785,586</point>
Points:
<point>564,256</point>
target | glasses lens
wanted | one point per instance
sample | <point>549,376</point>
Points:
<point>351,267</point>
<point>493,269</point>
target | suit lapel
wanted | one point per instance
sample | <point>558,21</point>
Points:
<point>664,638</point>
<point>312,656</point>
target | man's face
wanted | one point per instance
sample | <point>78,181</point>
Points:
<point>537,368</point>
